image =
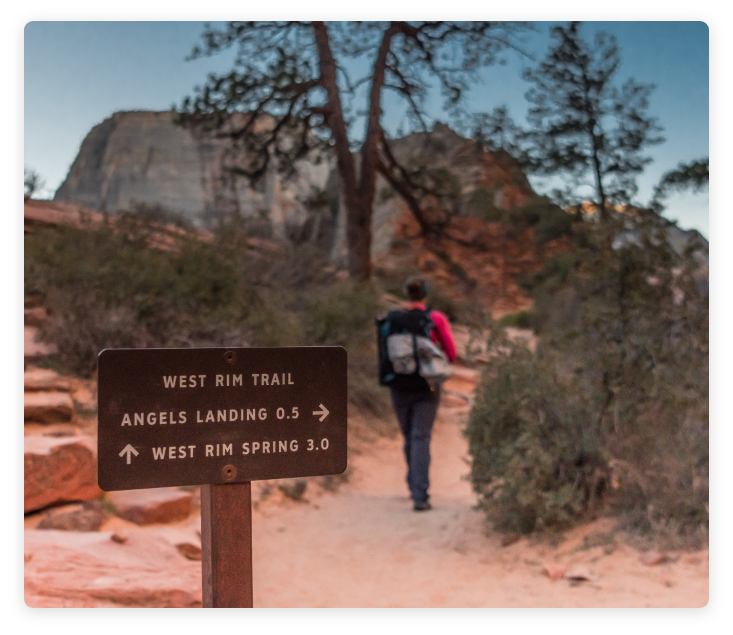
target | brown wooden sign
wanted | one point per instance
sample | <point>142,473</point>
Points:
<point>194,416</point>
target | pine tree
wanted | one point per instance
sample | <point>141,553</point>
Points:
<point>583,124</point>
<point>292,74</point>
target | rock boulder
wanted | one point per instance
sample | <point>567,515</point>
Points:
<point>147,506</point>
<point>48,407</point>
<point>87,516</point>
<point>59,469</point>
<point>37,379</point>
<point>89,569</point>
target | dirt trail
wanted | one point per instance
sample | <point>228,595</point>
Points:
<point>363,546</point>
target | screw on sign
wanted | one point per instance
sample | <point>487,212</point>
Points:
<point>221,418</point>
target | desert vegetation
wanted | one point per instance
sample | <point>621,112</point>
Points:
<point>610,414</point>
<point>106,288</point>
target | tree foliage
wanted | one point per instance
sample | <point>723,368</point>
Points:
<point>692,176</point>
<point>32,182</point>
<point>496,131</point>
<point>581,123</point>
<point>290,94</point>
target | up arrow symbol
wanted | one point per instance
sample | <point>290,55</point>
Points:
<point>129,450</point>
<point>323,412</point>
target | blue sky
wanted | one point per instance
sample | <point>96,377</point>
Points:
<point>78,73</point>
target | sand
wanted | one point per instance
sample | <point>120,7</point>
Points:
<point>364,546</point>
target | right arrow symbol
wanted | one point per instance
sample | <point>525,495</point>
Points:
<point>129,450</point>
<point>323,412</point>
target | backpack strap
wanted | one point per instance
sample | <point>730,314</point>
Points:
<point>431,324</point>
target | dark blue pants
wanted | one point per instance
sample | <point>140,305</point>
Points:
<point>416,413</point>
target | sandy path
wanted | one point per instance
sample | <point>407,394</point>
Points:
<point>364,547</point>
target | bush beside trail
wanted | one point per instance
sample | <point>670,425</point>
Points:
<point>611,412</point>
<point>107,288</point>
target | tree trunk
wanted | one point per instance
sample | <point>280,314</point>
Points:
<point>599,179</point>
<point>357,216</point>
<point>359,226</point>
<point>359,240</point>
<point>358,197</point>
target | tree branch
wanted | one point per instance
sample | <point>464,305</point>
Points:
<point>374,130</point>
<point>406,189</point>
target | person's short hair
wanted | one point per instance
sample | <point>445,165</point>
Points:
<point>416,288</point>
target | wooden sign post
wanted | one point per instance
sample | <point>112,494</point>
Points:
<point>226,545</point>
<point>220,418</point>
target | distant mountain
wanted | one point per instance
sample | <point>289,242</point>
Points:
<point>142,157</point>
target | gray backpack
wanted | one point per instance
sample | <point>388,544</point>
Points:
<point>408,358</point>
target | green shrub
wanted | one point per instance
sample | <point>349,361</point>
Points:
<point>552,275</point>
<point>532,210</point>
<point>393,280</point>
<point>480,203</point>
<point>533,466</point>
<point>555,222</point>
<point>107,288</point>
<point>343,314</point>
<point>612,411</point>
<point>520,319</point>
<point>549,220</point>
<point>455,269</point>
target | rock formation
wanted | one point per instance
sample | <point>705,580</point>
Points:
<point>48,407</point>
<point>93,569</point>
<point>59,469</point>
<point>145,158</point>
<point>60,463</point>
<point>147,506</point>
<point>484,182</point>
<point>87,516</point>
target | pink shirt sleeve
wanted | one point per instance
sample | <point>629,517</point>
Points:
<point>442,334</point>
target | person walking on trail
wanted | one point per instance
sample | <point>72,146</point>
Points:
<point>417,406</point>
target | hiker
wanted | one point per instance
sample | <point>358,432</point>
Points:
<point>415,400</point>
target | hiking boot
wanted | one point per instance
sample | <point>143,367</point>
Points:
<point>421,506</point>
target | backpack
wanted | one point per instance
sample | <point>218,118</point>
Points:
<point>408,359</point>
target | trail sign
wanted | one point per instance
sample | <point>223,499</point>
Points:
<point>194,416</point>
